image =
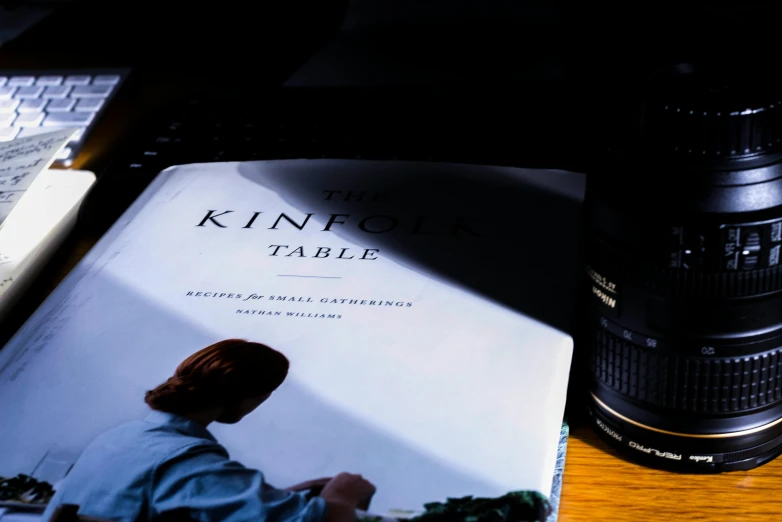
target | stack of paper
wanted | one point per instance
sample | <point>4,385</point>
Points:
<point>37,208</point>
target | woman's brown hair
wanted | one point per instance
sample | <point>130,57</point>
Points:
<point>221,374</point>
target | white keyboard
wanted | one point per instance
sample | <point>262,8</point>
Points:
<point>32,102</point>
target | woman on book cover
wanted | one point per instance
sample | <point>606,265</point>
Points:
<point>169,466</point>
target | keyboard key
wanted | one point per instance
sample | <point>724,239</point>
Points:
<point>57,91</point>
<point>29,119</point>
<point>66,119</point>
<point>77,79</point>
<point>33,91</point>
<point>32,102</point>
<point>8,133</point>
<point>64,153</point>
<point>106,79</point>
<point>48,80</point>
<point>91,91</point>
<point>21,81</point>
<point>89,104</point>
<point>7,118</point>
<point>62,105</point>
<point>35,105</point>
<point>8,105</point>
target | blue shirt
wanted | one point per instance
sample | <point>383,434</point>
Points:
<point>149,468</point>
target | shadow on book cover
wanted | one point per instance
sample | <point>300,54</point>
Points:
<point>304,340</point>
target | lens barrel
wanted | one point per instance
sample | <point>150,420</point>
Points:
<point>681,334</point>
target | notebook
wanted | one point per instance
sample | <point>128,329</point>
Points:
<point>38,208</point>
<point>423,307</point>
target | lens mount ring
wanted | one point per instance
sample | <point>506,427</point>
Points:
<point>682,452</point>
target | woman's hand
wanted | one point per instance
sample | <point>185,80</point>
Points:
<point>310,484</point>
<point>344,494</point>
<point>351,489</point>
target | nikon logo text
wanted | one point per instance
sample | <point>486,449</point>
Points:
<point>607,299</point>
<point>652,451</point>
<point>702,458</point>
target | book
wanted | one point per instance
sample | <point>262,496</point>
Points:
<point>419,305</point>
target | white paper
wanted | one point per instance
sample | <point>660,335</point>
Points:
<point>37,223</point>
<point>21,161</point>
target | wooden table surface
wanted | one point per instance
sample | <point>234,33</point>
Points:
<point>598,485</point>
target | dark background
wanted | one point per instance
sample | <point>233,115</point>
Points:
<point>596,45</point>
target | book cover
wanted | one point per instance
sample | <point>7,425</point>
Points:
<point>423,309</point>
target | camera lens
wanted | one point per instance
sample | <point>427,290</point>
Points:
<point>681,333</point>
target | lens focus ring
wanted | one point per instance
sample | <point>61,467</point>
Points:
<point>684,383</point>
<point>689,283</point>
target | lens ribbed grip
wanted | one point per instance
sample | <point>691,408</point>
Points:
<point>702,131</point>
<point>684,383</point>
<point>689,283</point>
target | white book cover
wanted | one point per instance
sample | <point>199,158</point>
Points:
<point>422,307</point>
